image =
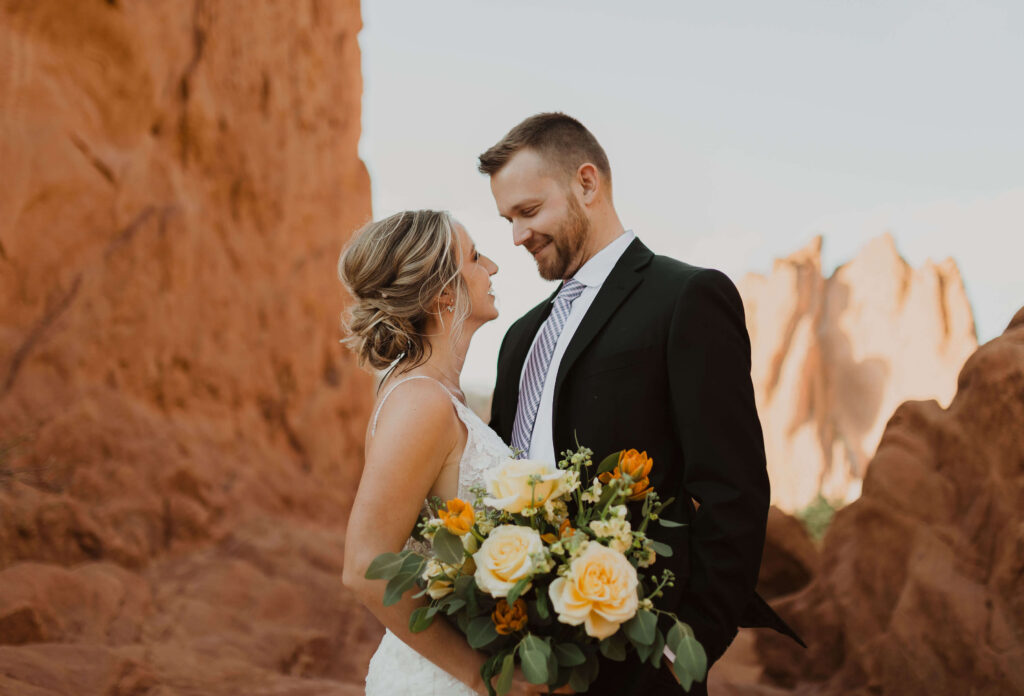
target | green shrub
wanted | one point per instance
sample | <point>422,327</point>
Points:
<point>818,515</point>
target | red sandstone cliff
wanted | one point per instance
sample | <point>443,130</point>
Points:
<point>180,431</point>
<point>919,586</point>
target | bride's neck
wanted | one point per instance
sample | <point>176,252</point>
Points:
<point>448,352</point>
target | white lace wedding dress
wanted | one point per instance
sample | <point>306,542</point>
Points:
<point>395,668</point>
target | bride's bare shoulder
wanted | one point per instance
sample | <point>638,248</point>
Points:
<point>413,407</point>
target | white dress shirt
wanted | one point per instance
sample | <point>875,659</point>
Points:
<point>592,274</point>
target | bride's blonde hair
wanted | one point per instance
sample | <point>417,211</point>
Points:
<point>396,269</point>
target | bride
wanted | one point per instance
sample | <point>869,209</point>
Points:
<point>421,290</point>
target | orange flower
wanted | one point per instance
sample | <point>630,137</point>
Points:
<point>638,466</point>
<point>564,530</point>
<point>459,517</point>
<point>508,619</point>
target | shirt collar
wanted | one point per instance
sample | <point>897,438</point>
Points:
<point>594,272</point>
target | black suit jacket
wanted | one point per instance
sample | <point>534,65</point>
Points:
<point>661,363</point>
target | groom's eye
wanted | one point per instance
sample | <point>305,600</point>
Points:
<point>529,213</point>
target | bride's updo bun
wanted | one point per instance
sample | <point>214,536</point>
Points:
<point>395,269</point>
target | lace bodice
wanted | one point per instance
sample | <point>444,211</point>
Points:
<point>484,450</point>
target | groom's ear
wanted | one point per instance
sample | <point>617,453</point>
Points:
<point>589,180</point>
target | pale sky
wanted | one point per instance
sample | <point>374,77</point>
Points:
<point>736,131</point>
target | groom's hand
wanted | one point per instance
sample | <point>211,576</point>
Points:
<point>521,687</point>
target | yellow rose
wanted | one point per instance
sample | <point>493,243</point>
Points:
<point>504,558</point>
<point>598,591</point>
<point>509,487</point>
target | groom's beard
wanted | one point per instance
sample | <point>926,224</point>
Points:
<point>568,242</point>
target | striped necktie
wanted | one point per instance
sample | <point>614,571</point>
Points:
<point>537,362</point>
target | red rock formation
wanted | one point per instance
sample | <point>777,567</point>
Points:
<point>832,358</point>
<point>921,580</point>
<point>180,431</point>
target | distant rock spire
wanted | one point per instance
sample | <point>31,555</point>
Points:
<point>832,358</point>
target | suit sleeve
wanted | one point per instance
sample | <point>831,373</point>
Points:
<point>716,421</point>
<point>498,397</point>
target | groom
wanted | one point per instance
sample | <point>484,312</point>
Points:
<point>634,351</point>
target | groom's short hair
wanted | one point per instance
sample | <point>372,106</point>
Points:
<point>558,138</point>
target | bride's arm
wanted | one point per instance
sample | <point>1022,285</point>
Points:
<point>415,435</point>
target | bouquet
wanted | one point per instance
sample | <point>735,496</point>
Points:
<point>529,584</point>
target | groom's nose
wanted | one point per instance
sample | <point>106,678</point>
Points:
<point>520,232</point>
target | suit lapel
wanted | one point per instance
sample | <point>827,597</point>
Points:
<point>616,288</point>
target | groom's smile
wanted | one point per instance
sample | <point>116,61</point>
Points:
<point>546,219</point>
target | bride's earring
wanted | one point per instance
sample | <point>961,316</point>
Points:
<point>450,308</point>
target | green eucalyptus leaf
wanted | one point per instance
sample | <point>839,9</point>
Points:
<point>464,585</point>
<point>481,632</point>
<point>661,549</point>
<point>384,566</point>
<point>641,628</point>
<point>578,679</point>
<point>421,619</point>
<point>533,654</point>
<point>644,651</point>
<point>543,611</point>
<point>606,495</point>
<point>517,590</point>
<point>691,662</point>
<point>669,523</point>
<point>658,649</point>
<point>552,666</point>
<point>678,631</point>
<point>448,547</point>
<point>608,464</point>
<point>454,605</point>
<point>412,566</point>
<point>614,647</point>
<point>487,670</point>
<point>508,665</point>
<point>569,654</point>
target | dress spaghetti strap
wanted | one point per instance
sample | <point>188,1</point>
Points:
<point>376,414</point>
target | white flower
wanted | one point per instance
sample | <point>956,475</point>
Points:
<point>440,586</point>
<point>430,527</point>
<point>572,481</point>
<point>520,483</point>
<point>555,511</point>
<point>647,558</point>
<point>621,543</point>
<point>617,530</point>
<point>506,557</point>
<point>483,523</point>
